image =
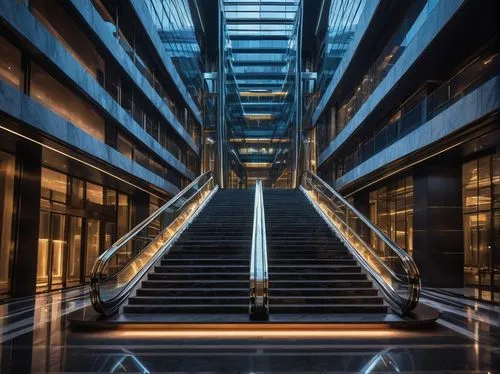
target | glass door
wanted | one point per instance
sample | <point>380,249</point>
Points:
<point>74,268</point>
<point>52,248</point>
<point>481,213</point>
<point>93,236</point>
<point>58,250</point>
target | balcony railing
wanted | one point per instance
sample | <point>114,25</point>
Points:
<point>411,117</point>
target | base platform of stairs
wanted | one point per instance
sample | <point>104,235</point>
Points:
<point>422,316</point>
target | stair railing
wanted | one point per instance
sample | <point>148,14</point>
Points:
<point>259,281</point>
<point>390,266</point>
<point>118,270</point>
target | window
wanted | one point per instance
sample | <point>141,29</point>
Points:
<point>391,209</point>
<point>77,192</point>
<point>125,147</point>
<point>61,100</point>
<point>54,186</point>
<point>55,18</point>
<point>10,63</point>
<point>95,194</point>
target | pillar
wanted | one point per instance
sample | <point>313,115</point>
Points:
<point>438,228</point>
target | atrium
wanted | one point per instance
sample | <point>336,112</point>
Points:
<point>249,186</point>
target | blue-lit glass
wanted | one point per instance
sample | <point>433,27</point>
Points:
<point>174,22</point>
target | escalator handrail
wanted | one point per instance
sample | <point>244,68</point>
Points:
<point>100,265</point>
<point>399,304</point>
<point>259,279</point>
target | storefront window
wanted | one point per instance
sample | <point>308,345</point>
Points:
<point>10,63</point>
<point>481,215</point>
<point>54,186</point>
<point>95,194</point>
<point>75,251</point>
<point>391,209</point>
<point>93,247</point>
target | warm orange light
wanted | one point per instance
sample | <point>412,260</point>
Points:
<point>262,94</point>
<point>258,164</point>
<point>259,116</point>
<point>260,333</point>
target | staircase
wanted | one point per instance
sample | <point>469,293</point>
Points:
<point>207,270</point>
<point>310,269</point>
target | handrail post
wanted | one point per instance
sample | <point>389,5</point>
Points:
<point>259,296</point>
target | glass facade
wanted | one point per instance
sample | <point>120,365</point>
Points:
<point>332,123</point>
<point>391,209</point>
<point>343,19</point>
<point>58,21</point>
<point>78,221</point>
<point>261,61</point>
<point>174,23</point>
<point>481,219</point>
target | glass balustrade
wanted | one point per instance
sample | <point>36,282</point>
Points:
<point>390,266</point>
<point>119,268</point>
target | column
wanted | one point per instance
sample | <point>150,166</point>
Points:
<point>438,228</point>
<point>29,164</point>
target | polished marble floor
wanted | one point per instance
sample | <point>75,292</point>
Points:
<point>35,338</point>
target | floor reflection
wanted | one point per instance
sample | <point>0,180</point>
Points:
<point>35,338</point>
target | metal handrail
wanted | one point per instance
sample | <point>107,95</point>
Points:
<point>411,278</point>
<point>259,280</point>
<point>98,277</point>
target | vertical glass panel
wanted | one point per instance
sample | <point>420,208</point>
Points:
<point>77,192</point>
<point>75,251</point>
<point>123,225</point>
<point>54,186</point>
<point>409,215</point>
<point>400,221</point>
<point>496,180</point>
<point>42,276</point>
<point>63,101</point>
<point>58,239</point>
<point>93,247</point>
<point>95,194</point>
<point>109,234</point>
<point>7,171</point>
<point>10,63</point>
<point>110,200</point>
<point>123,214</point>
<point>391,209</point>
<point>125,147</point>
